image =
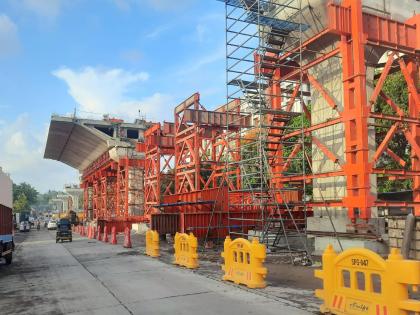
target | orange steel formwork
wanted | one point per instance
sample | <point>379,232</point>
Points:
<point>355,31</point>
<point>189,158</point>
<point>107,192</point>
<point>200,191</point>
<point>159,162</point>
<point>283,76</point>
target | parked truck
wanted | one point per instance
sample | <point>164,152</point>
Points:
<point>7,244</point>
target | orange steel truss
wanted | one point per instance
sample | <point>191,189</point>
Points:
<point>185,161</point>
<point>356,30</point>
<point>200,146</point>
<point>185,166</point>
<point>108,193</point>
<point>191,154</point>
<point>159,162</point>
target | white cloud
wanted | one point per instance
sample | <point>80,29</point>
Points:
<point>157,107</point>
<point>106,92</point>
<point>22,152</point>
<point>99,90</point>
<point>9,39</point>
<point>44,8</point>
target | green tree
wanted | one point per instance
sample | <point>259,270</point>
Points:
<point>21,204</point>
<point>30,193</point>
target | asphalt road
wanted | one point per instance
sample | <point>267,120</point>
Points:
<point>90,277</point>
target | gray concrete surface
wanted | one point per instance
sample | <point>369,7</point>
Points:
<point>90,277</point>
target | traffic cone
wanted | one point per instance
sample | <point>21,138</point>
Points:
<point>98,236</point>
<point>114,235</point>
<point>127,237</point>
<point>105,237</point>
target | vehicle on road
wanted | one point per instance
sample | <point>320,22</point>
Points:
<point>52,225</point>
<point>7,244</point>
<point>24,226</point>
<point>63,231</point>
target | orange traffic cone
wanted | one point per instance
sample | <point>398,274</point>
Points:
<point>105,237</point>
<point>113,235</point>
<point>127,237</point>
<point>98,236</point>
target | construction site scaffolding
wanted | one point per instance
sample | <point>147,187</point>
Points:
<point>255,39</point>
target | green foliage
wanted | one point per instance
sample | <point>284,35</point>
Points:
<point>296,166</point>
<point>21,204</point>
<point>395,87</point>
<point>251,172</point>
<point>26,189</point>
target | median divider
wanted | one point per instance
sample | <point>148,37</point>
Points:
<point>186,250</point>
<point>359,281</point>
<point>243,262</point>
<point>152,243</point>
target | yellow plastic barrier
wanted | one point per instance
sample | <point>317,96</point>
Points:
<point>152,243</point>
<point>244,262</point>
<point>359,281</point>
<point>186,250</point>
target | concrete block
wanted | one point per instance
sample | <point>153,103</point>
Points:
<point>378,225</point>
<point>393,242</point>
<point>321,243</point>
<point>401,223</point>
<point>324,224</point>
<point>392,224</point>
<point>396,233</point>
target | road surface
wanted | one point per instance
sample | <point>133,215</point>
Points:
<point>90,277</point>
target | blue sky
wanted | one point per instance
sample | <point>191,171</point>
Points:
<point>100,56</point>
